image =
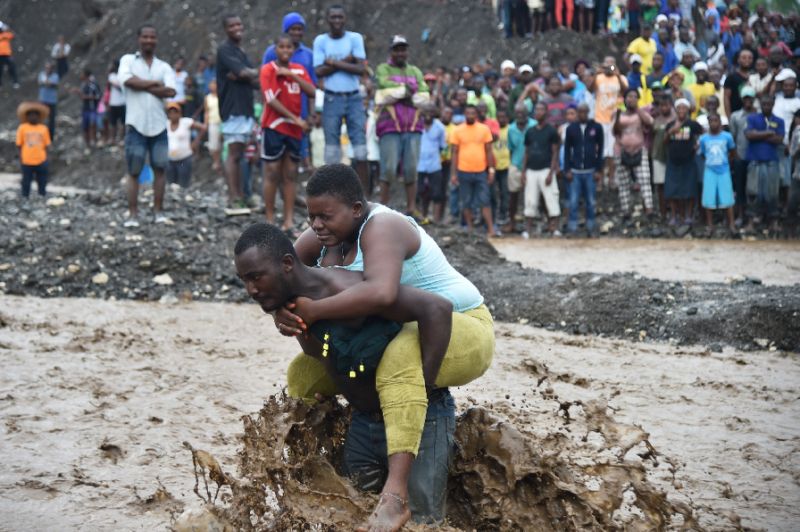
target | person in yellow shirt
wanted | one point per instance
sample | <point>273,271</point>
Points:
<point>502,161</point>
<point>701,89</point>
<point>33,139</point>
<point>645,47</point>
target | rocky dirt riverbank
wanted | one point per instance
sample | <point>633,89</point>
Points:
<point>76,246</point>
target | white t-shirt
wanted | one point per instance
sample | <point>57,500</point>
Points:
<point>180,140</point>
<point>145,112</point>
<point>784,109</point>
<point>180,86</point>
<point>59,50</point>
<point>117,97</point>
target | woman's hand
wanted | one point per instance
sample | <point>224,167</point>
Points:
<point>287,322</point>
<point>304,309</point>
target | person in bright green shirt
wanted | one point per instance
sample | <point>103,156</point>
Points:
<point>502,161</point>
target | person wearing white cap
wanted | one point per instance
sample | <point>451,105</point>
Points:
<point>786,105</point>
<point>525,77</point>
<point>508,68</point>
<point>702,88</point>
<point>680,185</point>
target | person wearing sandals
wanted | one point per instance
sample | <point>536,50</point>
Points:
<point>392,251</point>
<point>282,84</point>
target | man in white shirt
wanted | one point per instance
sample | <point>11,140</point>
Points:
<point>147,82</point>
<point>786,105</point>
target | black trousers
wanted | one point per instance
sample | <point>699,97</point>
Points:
<point>6,61</point>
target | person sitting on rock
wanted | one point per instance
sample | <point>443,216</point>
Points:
<point>349,352</point>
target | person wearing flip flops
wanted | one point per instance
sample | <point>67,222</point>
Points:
<point>283,83</point>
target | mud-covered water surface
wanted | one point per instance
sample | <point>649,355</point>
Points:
<point>102,400</point>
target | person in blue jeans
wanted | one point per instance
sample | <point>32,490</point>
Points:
<point>339,61</point>
<point>583,161</point>
<point>366,461</point>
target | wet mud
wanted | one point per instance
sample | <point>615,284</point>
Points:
<point>588,473</point>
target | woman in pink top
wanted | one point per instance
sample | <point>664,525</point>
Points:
<point>630,152</point>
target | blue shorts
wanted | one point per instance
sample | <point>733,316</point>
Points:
<point>138,148</point>
<point>88,118</point>
<point>274,145</point>
<point>717,189</point>
<point>237,129</point>
<point>473,190</point>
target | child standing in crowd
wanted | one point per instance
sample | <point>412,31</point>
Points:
<point>33,139</point>
<point>212,121</point>
<point>317,139</point>
<point>90,96</point>
<point>717,148</point>
<point>181,147</point>
<point>680,186</point>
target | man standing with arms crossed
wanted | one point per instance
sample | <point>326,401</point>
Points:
<point>399,126</point>
<point>236,79</point>
<point>339,61</point>
<point>147,82</point>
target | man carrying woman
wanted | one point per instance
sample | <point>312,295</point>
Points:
<point>391,251</point>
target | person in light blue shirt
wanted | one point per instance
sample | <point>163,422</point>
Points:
<point>295,26</point>
<point>48,94</point>
<point>340,60</point>
<point>431,182</point>
<point>516,145</point>
<point>717,148</point>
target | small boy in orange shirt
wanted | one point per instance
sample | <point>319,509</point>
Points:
<point>33,139</point>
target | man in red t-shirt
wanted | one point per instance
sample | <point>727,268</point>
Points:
<point>281,84</point>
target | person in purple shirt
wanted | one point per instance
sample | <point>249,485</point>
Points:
<point>295,25</point>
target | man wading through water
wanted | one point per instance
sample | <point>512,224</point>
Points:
<point>390,250</point>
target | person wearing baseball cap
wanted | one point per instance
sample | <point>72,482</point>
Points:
<point>524,77</point>
<point>399,122</point>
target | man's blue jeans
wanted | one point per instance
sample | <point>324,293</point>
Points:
<point>582,185</point>
<point>366,462</point>
<point>350,109</point>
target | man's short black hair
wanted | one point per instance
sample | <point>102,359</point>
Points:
<point>337,180</point>
<point>228,17</point>
<point>470,106</point>
<point>272,242</point>
<point>334,7</point>
<point>145,27</point>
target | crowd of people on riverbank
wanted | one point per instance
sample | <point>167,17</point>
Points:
<point>482,145</point>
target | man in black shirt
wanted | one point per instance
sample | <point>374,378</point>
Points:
<point>236,79</point>
<point>541,165</point>
<point>735,82</point>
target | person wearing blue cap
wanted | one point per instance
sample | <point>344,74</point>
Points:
<point>295,26</point>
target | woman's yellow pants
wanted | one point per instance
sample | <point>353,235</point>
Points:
<point>399,380</point>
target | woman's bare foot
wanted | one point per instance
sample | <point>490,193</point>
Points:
<point>389,515</point>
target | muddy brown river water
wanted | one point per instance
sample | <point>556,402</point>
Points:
<point>716,261</point>
<point>96,398</point>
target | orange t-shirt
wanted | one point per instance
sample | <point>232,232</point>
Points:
<point>607,98</point>
<point>471,141</point>
<point>33,141</point>
<point>5,42</point>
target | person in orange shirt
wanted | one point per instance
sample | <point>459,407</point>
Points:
<point>33,139</point>
<point>6,59</point>
<point>472,169</point>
